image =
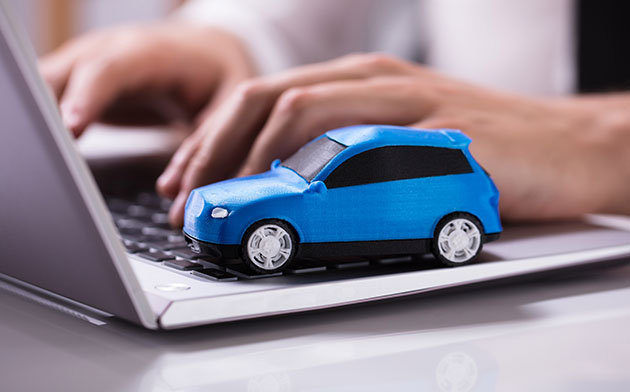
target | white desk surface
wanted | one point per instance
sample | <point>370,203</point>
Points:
<point>567,332</point>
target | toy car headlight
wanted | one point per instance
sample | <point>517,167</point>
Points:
<point>219,213</point>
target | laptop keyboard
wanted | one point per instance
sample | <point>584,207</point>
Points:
<point>143,227</point>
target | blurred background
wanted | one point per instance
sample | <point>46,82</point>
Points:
<point>51,22</point>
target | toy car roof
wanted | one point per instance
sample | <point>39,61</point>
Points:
<point>393,135</point>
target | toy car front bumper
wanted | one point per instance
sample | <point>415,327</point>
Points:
<point>219,251</point>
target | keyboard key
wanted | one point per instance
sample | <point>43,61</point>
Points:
<point>130,231</point>
<point>176,238</point>
<point>213,262</point>
<point>350,265</point>
<point>118,205</point>
<point>153,201</point>
<point>155,231</point>
<point>243,272</point>
<point>129,223</point>
<point>166,244</point>
<point>133,247</point>
<point>160,217</point>
<point>155,256</point>
<point>184,265</point>
<point>165,205</point>
<point>116,216</point>
<point>148,199</point>
<point>138,211</point>
<point>306,266</point>
<point>215,274</point>
<point>135,238</point>
<point>186,253</point>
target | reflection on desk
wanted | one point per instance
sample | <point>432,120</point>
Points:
<point>565,332</point>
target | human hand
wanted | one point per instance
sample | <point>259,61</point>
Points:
<point>537,150</point>
<point>188,63</point>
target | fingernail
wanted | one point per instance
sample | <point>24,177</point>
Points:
<point>163,181</point>
<point>71,117</point>
<point>166,185</point>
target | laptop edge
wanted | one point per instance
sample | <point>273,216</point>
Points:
<point>25,58</point>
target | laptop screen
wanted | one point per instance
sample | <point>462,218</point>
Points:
<point>48,237</point>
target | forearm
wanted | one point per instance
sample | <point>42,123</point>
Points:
<point>602,135</point>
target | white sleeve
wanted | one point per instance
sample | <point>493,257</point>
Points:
<point>283,33</point>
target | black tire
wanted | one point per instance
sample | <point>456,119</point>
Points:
<point>468,252</point>
<point>286,238</point>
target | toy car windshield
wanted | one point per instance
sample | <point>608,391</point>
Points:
<point>312,158</point>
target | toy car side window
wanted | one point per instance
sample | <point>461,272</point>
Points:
<point>393,163</point>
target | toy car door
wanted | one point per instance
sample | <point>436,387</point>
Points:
<point>393,192</point>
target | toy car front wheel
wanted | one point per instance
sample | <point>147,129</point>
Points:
<point>458,239</point>
<point>268,246</point>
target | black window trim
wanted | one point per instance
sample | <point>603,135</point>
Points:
<point>460,165</point>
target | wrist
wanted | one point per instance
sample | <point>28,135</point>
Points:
<point>230,53</point>
<point>214,45</point>
<point>602,138</point>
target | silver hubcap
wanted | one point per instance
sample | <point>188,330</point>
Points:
<point>269,247</point>
<point>459,240</point>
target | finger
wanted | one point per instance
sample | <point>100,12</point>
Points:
<point>303,114</point>
<point>56,66</point>
<point>92,86</point>
<point>354,66</point>
<point>169,182</point>
<point>176,213</point>
<point>438,122</point>
<point>56,72</point>
<point>222,93</point>
<point>220,149</point>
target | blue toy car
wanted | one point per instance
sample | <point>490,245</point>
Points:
<point>368,190</point>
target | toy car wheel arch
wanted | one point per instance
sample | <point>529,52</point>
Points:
<point>269,246</point>
<point>458,239</point>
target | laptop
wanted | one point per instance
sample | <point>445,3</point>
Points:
<point>66,244</point>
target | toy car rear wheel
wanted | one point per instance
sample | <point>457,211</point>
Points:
<point>458,239</point>
<point>269,246</point>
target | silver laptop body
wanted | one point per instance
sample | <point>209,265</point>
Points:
<point>59,243</point>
